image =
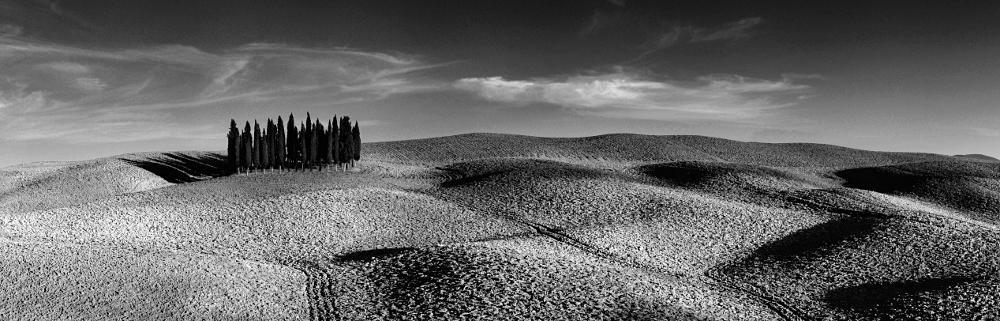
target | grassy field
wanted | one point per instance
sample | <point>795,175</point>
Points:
<point>507,227</point>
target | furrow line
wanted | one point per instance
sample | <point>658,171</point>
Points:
<point>322,302</point>
<point>783,309</point>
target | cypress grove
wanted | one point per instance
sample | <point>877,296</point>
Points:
<point>280,145</point>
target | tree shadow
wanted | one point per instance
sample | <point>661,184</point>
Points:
<point>183,168</point>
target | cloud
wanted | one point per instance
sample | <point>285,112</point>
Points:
<point>103,95</point>
<point>730,31</point>
<point>14,98</point>
<point>625,95</point>
<point>90,84</point>
<point>66,67</point>
<point>798,76</point>
<point>677,35</point>
<point>9,30</point>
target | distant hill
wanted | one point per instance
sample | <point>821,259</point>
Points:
<point>632,149</point>
<point>980,157</point>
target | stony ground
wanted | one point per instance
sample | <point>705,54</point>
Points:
<point>506,227</point>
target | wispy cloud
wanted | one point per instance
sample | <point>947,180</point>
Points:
<point>680,34</point>
<point>799,76</point>
<point>9,30</point>
<point>627,95</point>
<point>101,95</point>
<point>730,31</point>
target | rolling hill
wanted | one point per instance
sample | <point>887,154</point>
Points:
<point>509,227</point>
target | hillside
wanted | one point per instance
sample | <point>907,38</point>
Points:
<point>509,227</point>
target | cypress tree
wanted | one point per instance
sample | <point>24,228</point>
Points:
<point>256,146</point>
<point>330,142</point>
<point>247,156</point>
<point>321,145</point>
<point>271,145</point>
<point>269,138</point>
<point>265,151</point>
<point>280,146</point>
<point>346,153</point>
<point>263,147</point>
<point>302,146</point>
<point>308,141</point>
<point>272,153</point>
<point>335,140</point>
<point>232,149</point>
<point>292,139</point>
<point>265,160</point>
<point>314,145</point>
<point>356,139</point>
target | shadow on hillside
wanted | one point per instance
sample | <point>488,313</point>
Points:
<point>371,255</point>
<point>685,174</point>
<point>183,168</point>
<point>469,180</point>
<point>813,241</point>
<point>888,180</point>
<point>878,298</point>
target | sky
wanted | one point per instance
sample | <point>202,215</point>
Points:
<point>86,79</point>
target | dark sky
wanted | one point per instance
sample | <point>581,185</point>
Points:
<point>81,79</point>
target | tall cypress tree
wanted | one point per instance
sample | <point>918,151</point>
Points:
<point>330,142</point>
<point>271,153</point>
<point>335,140</point>
<point>346,153</point>
<point>269,138</point>
<point>263,147</point>
<point>272,145</point>
<point>356,139</point>
<point>321,145</point>
<point>265,162</point>
<point>315,143</point>
<point>308,142</point>
<point>292,141</point>
<point>302,146</point>
<point>232,149</point>
<point>256,146</point>
<point>280,144</point>
<point>247,155</point>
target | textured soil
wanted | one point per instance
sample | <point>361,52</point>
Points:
<point>507,227</point>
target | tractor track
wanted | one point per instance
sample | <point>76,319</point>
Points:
<point>319,291</point>
<point>783,309</point>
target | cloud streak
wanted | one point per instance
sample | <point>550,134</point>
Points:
<point>105,95</point>
<point>682,34</point>
<point>9,30</point>
<point>625,95</point>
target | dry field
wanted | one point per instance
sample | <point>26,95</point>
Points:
<point>507,227</point>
